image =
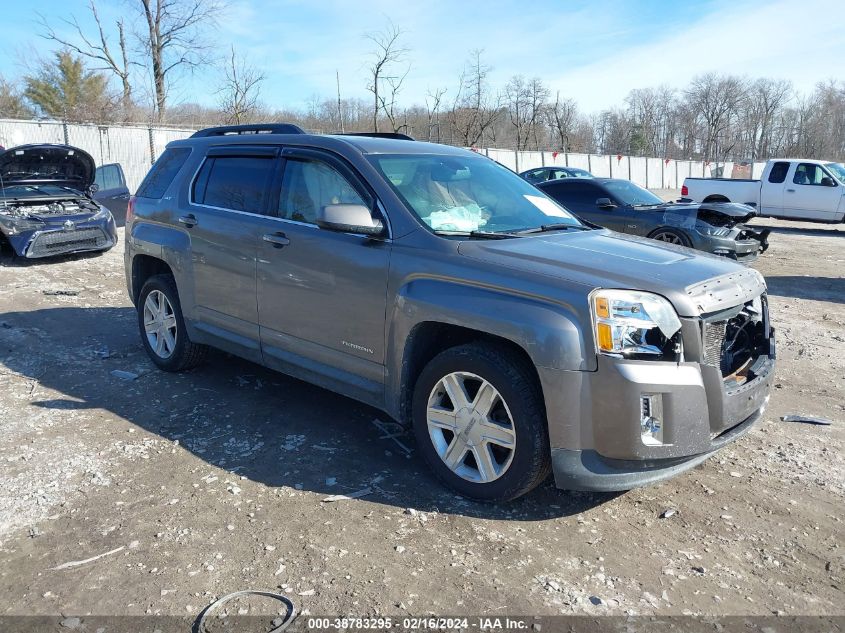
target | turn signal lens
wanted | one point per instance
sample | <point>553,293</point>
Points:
<point>602,308</point>
<point>605,337</point>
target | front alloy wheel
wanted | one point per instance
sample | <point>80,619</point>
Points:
<point>471,427</point>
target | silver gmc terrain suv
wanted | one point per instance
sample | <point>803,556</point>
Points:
<point>440,287</point>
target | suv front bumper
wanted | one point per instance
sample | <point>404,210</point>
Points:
<point>701,413</point>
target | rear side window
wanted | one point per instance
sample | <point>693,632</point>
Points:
<point>163,172</point>
<point>239,183</point>
<point>778,173</point>
<point>575,196</point>
<point>108,177</point>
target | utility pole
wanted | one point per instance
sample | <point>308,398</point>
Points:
<point>339,110</point>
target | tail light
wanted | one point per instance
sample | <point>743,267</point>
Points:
<point>684,190</point>
<point>130,210</point>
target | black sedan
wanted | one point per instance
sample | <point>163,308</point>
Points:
<point>543,174</point>
<point>46,203</point>
<point>622,206</point>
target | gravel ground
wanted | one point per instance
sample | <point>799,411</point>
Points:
<point>192,486</point>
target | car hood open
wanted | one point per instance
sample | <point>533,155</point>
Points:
<point>55,164</point>
<point>695,283</point>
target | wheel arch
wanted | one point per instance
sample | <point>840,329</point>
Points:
<point>716,198</point>
<point>144,267</point>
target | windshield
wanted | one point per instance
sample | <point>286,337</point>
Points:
<point>630,194</point>
<point>466,194</point>
<point>838,170</point>
<point>35,191</point>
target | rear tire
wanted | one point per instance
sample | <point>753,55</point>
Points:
<point>671,236</point>
<point>162,326</point>
<point>492,442</point>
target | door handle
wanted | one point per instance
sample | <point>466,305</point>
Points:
<point>123,196</point>
<point>188,220</point>
<point>278,240</point>
<point>790,190</point>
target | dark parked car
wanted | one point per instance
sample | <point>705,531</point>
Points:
<point>46,203</point>
<point>621,205</point>
<point>112,191</point>
<point>543,174</point>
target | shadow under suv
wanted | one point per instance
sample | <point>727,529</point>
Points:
<point>443,289</point>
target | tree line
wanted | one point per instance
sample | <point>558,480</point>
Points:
<point>94,76</point>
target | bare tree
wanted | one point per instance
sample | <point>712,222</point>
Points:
<point>538,102</point>
<point>716,99</point>
<point>561,117</point>
<point>432,108</point>
<point>388,56</point>
<point>240,90</point>
<point>475,108</point>
<point>173,40</point>
<point>765,99</point>
<point>98,49</point>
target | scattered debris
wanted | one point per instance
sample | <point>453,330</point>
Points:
<point>60,292</point>
<point>806,419</point>
<point>668,513</point>
<point>71,623</point>
<point>124,375</point>
<point>280,624</point>
<point>400,549</point>
<point>77,563</point>
<point>352,495</point>
<point>331,481</point>
<point>388,435</point>
<point>735,474</point>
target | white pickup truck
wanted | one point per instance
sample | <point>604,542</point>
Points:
<point>798,189</point>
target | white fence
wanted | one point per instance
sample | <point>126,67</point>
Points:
<point>136,147</point>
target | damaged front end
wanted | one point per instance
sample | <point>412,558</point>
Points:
<point>41,229</point>
<point>43,210</point>
<point>720,228</point>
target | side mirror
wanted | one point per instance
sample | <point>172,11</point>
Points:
<point>605,203</point>
<point>827,181</point>
<point>349,218</point>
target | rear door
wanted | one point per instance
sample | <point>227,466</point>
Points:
<point>771,189</point>
<point>225,218</point>
<point>112,191</point>
<point>812,193</point>
<point>321,293</point>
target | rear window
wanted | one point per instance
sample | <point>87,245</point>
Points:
<point>163,172</point>
<point>778,173</point>
<point>239,183</point>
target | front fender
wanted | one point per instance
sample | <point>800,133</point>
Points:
<point>551,334</point>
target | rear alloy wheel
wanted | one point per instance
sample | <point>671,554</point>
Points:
<point>480,422</point>
<point>670,237</point>
<point>162,327</point>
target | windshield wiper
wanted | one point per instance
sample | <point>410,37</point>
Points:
<point>544,228</point>
<point>485,235</point>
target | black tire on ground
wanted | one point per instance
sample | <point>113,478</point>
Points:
<point>186,354</point>
<point>680,235</point>
<point>515,381</point>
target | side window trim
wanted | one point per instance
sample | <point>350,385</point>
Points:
<point>234,151</point>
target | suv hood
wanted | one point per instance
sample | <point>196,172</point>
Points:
<point>693,282</point>
<point>55,164</point>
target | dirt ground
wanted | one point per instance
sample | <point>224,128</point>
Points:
<point>192,486</point>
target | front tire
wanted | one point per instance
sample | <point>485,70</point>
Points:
<point>480,422</point>
<point>671,236</point>
<point>162,326</point>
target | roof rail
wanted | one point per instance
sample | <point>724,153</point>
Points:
<point>394,135</point>
<point>258,128</point>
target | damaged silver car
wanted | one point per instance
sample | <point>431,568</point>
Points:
<point>46,203</point>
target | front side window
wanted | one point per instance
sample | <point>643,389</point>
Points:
<point>310,185</point>
<point>808,174</point>
<point>465,193</point>
<point>107,177</point>
<point>239,183</point>
<point>778,173</point>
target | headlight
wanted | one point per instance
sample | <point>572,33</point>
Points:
<point>632,323</point>
<point>716,231</point>
<point>15,225</point>
<point>102,214</point>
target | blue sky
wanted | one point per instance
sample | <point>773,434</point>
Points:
<point>594,52</point>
